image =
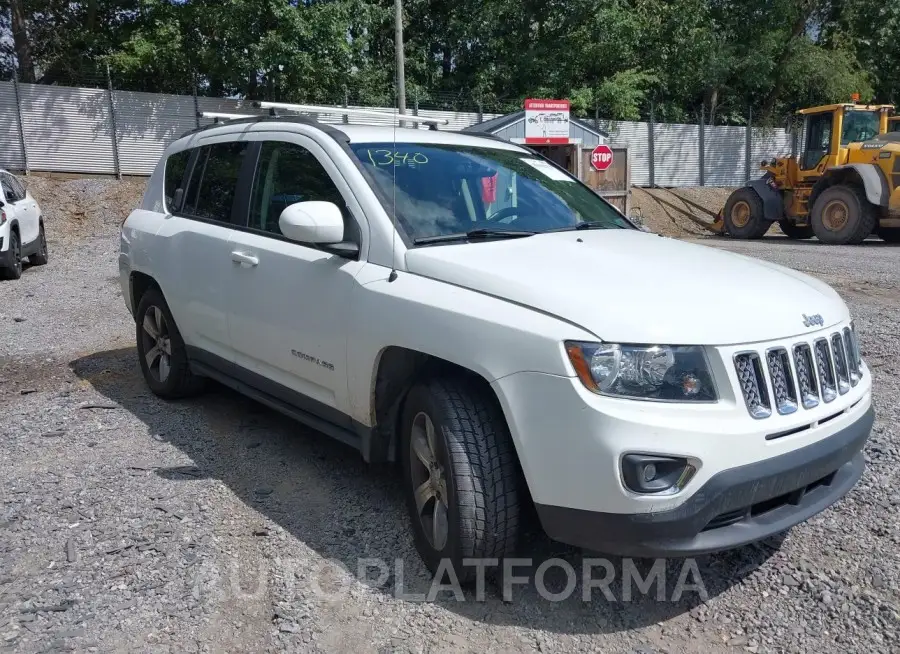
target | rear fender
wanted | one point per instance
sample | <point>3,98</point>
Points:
<point>773,207</point>
<point>878,191</point>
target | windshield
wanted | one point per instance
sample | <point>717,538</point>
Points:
<point>859,126</point>
<point>451,189</point>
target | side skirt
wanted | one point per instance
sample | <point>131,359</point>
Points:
<point>288,402</point>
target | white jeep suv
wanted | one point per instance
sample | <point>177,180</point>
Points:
<point>21,227</point>
<point>464,307</point>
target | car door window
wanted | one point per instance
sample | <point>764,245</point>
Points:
<point>289,173</point>
<point>214,181</point>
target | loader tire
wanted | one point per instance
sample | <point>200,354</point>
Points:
<point>794,231</point>
<point>842,215</point>
<point>744,216</point>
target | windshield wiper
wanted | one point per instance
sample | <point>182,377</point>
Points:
<point>579,227</point>
<point>475,234</point>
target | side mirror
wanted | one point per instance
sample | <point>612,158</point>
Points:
<point>313,221</point>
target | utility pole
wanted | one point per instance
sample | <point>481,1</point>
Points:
<point>398,48</point>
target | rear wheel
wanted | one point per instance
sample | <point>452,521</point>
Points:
<point>161,350</point>
<point>461,477</point>
<point>40,257</point>
<point>14,271</point>
<point>794,231</point>
<point>889,234</point>
<point>842,215</point>
<point>744,216</point>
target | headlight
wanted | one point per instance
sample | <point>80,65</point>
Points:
<point>652,372</point>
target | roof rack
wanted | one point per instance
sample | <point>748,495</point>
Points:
<point>218,115</point>
<point>343,111</point>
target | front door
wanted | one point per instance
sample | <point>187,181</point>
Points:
<point>290,301</point>
<point>817,145</point>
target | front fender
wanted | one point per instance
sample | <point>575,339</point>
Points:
<point>489,336</point>
<point>773,207</point>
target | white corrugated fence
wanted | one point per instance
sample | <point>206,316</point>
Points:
<point>78,130</point>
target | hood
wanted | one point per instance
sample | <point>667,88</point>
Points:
<point>630,286</point>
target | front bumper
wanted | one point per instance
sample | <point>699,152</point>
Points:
<point>734,507</point>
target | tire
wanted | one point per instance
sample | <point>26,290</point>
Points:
<point>40,257</point>
<point>14,271</point>
<point>889,234</point>
<point>475,478</point>
<point>164,360</point>
<point>842,215</point>
<point>744,216</point>
<point>794,231</point>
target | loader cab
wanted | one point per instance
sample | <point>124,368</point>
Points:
<point>894,124</point>
<point>828,131</point>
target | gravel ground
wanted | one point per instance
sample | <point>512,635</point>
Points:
<point>132,524</point>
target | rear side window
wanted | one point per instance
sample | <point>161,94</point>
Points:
<point>175,167</point>
<point>214,181</point>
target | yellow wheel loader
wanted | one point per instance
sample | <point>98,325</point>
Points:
<point>844,186</point>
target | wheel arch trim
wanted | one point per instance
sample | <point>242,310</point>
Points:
<point>873,182</point>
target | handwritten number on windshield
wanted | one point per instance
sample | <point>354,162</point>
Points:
<point>388,158</point>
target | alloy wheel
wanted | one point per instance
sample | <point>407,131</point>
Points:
<point>429,482</point>
<point>157,343</point>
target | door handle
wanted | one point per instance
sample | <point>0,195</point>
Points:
<point>244,259</point>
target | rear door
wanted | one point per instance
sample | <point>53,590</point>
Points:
<point>196,256</point>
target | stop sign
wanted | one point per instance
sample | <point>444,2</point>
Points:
<point>601,157</point>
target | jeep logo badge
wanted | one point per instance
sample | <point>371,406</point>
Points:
<point>815,319</point>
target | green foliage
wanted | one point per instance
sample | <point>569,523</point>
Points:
<point>613,58</point>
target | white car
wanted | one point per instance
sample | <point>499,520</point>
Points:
<point>461,306</point>
<point>21,227</point>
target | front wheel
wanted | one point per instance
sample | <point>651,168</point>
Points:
<point>461,477</point>
<point>744,216</point>
<point>842,215</point>
<point>794,231</point>
<point>14,271</point>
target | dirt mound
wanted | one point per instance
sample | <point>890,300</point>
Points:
<point>74,208</point>
<point>659,209</point>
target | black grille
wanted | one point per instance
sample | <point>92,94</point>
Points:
<point>760,508</point>
<point>840,363</point>
<point>826,372</point>
<point>806,377</point>
<point>783,389</point>
<point>753,384</point>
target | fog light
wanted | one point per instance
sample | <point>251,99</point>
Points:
<point>646,473</point>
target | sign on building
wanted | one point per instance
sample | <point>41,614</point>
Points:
<point>546,121</point>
